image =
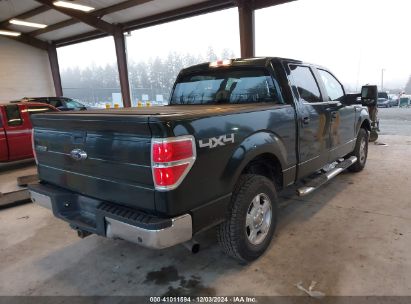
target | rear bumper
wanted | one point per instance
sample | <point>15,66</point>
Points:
<point>112,220</point>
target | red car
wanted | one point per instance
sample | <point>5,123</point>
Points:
<point>15,129</point>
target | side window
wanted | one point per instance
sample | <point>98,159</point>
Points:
<point>38,109</point>
<point>56,103</point>
<point>334,89</point>
<point>13,115</point>
<point>305,83</point>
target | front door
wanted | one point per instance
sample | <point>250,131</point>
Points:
<point>342,131</point>
<point>313,120</point>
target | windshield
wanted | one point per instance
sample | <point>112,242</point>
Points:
<point>221,86</point>
<point>73,104</point>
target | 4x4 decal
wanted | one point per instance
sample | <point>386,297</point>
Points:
<point>216,141</point>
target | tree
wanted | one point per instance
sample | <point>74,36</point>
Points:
<point>211,55</point>
<point>227,54</point>
<point>408,86</point>
<point>96,83</point>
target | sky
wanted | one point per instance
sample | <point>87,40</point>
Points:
<point>355,39</point>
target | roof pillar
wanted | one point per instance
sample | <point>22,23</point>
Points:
<point>247,27</point>
<point>55,70</point>
<point>120,45</point>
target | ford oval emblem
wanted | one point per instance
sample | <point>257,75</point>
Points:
<point>78,154</point>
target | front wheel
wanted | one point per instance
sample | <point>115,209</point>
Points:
<point>360,151</point>
<point>373,136</point>
<point>248,231</point>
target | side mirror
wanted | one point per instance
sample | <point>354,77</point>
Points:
<point>369,95</point>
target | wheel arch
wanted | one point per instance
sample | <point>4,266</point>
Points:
<point>262,153</point>
<point>366,124</point>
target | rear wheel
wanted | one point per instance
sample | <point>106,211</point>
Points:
<point>360,151</point>
<point>250,227</point>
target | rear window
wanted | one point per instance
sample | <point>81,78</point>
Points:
<point>13,115</point>
<point>222,86</point>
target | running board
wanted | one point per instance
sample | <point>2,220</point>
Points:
<point>325,177</point>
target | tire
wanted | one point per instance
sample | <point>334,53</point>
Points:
<point>360,151</point>
<point>373,136</point>
<point>238,235</point>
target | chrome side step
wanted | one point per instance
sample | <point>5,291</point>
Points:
<point>325,177</point>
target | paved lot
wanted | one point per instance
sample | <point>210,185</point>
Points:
<point>395,121</point>
<point>352,236</point>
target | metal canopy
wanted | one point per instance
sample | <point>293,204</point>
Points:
<point>66,26</point>
<point>113,18</point>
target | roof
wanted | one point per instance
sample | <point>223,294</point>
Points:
<point>241,62</point>
<point>68,26</point>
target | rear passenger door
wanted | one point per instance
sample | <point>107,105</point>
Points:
<point>342,132</point>
<point>313,119</point>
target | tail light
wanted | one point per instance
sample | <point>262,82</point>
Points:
<point>171,160</point>
<point>33,146</point>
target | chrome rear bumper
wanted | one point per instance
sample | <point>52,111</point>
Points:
<point>180,230</point>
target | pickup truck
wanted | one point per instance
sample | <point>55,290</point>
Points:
<point>235,133</point>
<point>16,128</point>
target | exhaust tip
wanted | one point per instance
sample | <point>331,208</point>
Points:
<point>192,246</point>
<point>195,248</point>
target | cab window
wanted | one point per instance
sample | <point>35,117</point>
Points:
<point>13,115</point>
<point>226,86</point>
<point>305,84</point>
<point>334,89</point>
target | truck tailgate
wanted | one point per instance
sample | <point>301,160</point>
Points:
<point>116,167</point>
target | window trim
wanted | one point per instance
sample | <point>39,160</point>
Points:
<point>8,118</point>
<point>49,109</point>
<point>303,101</point>
<point>325,89</point>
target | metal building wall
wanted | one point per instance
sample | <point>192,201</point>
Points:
<point>24,71</point>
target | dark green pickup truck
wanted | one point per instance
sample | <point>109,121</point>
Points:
<point>234,134</point>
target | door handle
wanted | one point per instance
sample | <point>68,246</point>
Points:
<point>306,120</point>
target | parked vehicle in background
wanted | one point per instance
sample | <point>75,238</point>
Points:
<point>394,102</point>
<point>234,134</point>
<point>383,103</point>
<point>61,103</point>
<point>383,95</point>
<point>404,101</point>
<point>16,128</point>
